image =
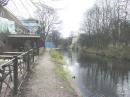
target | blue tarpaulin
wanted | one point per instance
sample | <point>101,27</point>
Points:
<point>7,26</point>
<point>49,44</point>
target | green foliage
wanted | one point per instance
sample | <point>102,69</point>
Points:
<point>111,52</point>
<point>59,70</point>
<point>56,56</point>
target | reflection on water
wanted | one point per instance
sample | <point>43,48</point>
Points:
<point>99,77</point>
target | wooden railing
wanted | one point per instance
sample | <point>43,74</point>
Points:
<point>14,71</point>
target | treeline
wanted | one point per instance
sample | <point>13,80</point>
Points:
<point>107,23</point>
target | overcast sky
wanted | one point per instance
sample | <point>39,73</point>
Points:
<point>69,11</point>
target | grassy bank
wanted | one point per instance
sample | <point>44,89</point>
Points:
<point>111,52</point>
<point>57,58</point>
<point>59,70</point>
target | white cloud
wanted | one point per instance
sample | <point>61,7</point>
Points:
<point>69,11</point>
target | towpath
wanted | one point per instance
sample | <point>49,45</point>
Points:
<point>43,82</point>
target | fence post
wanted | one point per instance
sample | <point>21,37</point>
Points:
<point>15,65</point>
<point>28,61</point>
<point>33,54</point>
<point>37,43</point>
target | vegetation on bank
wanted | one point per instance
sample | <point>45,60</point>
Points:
<point>104,26</point>
<point>59,70</point>
<point>57,58</point>
<point>107,30</point>
<point>111,52</point>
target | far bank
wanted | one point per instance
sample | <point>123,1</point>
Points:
<point>111,52</point>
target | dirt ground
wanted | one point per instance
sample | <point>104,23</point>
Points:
<point>43,82</point>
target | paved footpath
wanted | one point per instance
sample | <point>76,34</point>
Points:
<point>43,82</point>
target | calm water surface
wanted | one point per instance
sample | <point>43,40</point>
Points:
<point>97,76</point>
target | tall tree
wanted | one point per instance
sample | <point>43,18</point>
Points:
<point>107,23</point>
<point>48,20</point>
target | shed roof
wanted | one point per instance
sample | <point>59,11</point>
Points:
<point>24,36</point>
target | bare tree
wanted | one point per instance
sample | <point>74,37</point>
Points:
<point>108,22</point>
<point>48,20</point>
<point>3,2</point>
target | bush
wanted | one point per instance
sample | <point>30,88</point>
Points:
<point>56,56</point>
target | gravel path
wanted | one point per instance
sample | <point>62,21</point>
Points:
<point>43,82</point>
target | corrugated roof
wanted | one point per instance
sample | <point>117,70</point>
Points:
<point>23,36</point>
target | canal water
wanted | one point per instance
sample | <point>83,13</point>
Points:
<point>97,76</point>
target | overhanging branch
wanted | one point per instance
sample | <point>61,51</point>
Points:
<point>3,2</point>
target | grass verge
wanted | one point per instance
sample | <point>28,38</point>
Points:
<point>59,70</point>
<point>57,58</point>
<point>111,52</point>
